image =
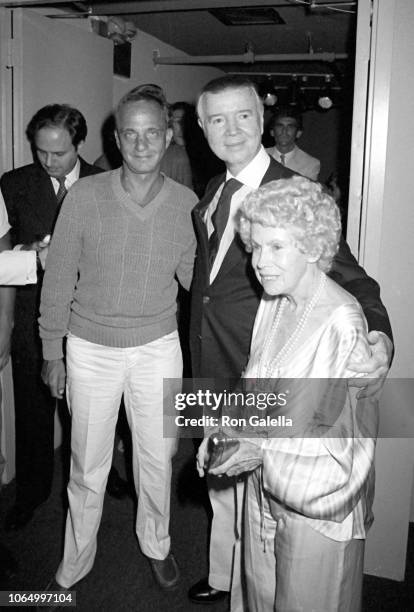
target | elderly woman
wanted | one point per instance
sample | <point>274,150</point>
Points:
<point>310,489</point>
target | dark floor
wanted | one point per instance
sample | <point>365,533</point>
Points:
<point>121,578</point>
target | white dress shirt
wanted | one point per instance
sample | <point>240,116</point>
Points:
<point>298,160</point>
<point>277,155</point>
<point>4,221</point>
<point>18,267</point>
<point>71,178</point>
<point>251,176</point>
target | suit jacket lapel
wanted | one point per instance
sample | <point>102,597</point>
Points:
<point>41,196</point>
<point>295,156</point>
<point>276,171</point>
<point>236,250</point>
<point>83,168</point>
<point>232,258</point>
<point>211,190</point>
<point>87,169</point>
<point>198,216</point>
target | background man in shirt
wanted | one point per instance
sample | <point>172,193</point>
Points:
<point>225,293</point>
<point>33,195</point>
<point>176,163</point>
<point>120,239</point>
<point>286,127</point>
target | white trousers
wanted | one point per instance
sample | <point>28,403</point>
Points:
<point>290,567</point>
<point>226,498</point>
<point>97,377</point>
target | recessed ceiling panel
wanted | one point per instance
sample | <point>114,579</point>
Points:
<point>248,16</point>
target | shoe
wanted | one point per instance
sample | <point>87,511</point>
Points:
<point>8,565</point>
<point>17,518</point>
<point>202,593</point>
<point>54,587</point>
<point>166,571</point>
<point>116,486</point>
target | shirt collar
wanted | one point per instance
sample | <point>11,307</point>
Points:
<point>73,175</point>
<point>287,155</point>
<point>255,170</point>
<point>71,178</point>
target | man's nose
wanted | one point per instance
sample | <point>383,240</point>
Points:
<point>140,141</point>
<point>231,125</point>
<point>49,159</point>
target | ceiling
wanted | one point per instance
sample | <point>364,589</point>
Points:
<point>310,27</point>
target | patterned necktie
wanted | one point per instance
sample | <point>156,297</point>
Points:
<point>220,216</point>
<point>62,191</point>
<point>282,159</point>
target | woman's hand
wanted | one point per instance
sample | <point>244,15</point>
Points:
<point>246,458</point>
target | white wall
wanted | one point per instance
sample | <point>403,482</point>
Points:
<point>57,62</point>
<point>397,243</point>
<point>396,263</point>
<point>387,252</point>
<point>178,82</point>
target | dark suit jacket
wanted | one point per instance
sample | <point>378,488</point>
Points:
<point>32,209</point>
<point>31,201</point>
<point>223,313</point>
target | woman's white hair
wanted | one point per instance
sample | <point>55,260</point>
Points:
<point>303,207</point>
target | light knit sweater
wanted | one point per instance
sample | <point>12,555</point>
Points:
<point>110,272</point>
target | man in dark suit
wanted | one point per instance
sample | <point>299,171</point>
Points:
<point>226,294</point>
<point>33,195</point>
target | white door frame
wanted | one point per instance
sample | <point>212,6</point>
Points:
<point>370,130</point>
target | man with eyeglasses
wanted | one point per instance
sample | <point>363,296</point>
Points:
<point>121,239</point>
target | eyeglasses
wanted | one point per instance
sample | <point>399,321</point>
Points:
<point>151,135</point>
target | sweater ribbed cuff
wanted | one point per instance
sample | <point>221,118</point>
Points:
<point>52,349</point>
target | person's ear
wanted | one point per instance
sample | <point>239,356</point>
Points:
<point>200,123</point>
<point>168,137</point>
<point>314,256</point>
<point>299,134</point>
<point>272,133</point>
<point>116,135</point>
<point>80,145</point>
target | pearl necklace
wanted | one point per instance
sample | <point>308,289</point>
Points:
<point>279,308</point>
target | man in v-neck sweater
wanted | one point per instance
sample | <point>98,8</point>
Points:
<point>121,239</point>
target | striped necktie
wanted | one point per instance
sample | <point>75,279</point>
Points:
<point>282,159</point>
<point>220,216</point>
<point>62,191</point>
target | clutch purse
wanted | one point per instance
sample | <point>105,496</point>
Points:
<point>220,447</point>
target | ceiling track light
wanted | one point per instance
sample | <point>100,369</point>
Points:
<point>325,98</point>
<point>268,93</point>
<point>294,92</point>
<point>305,91</point>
